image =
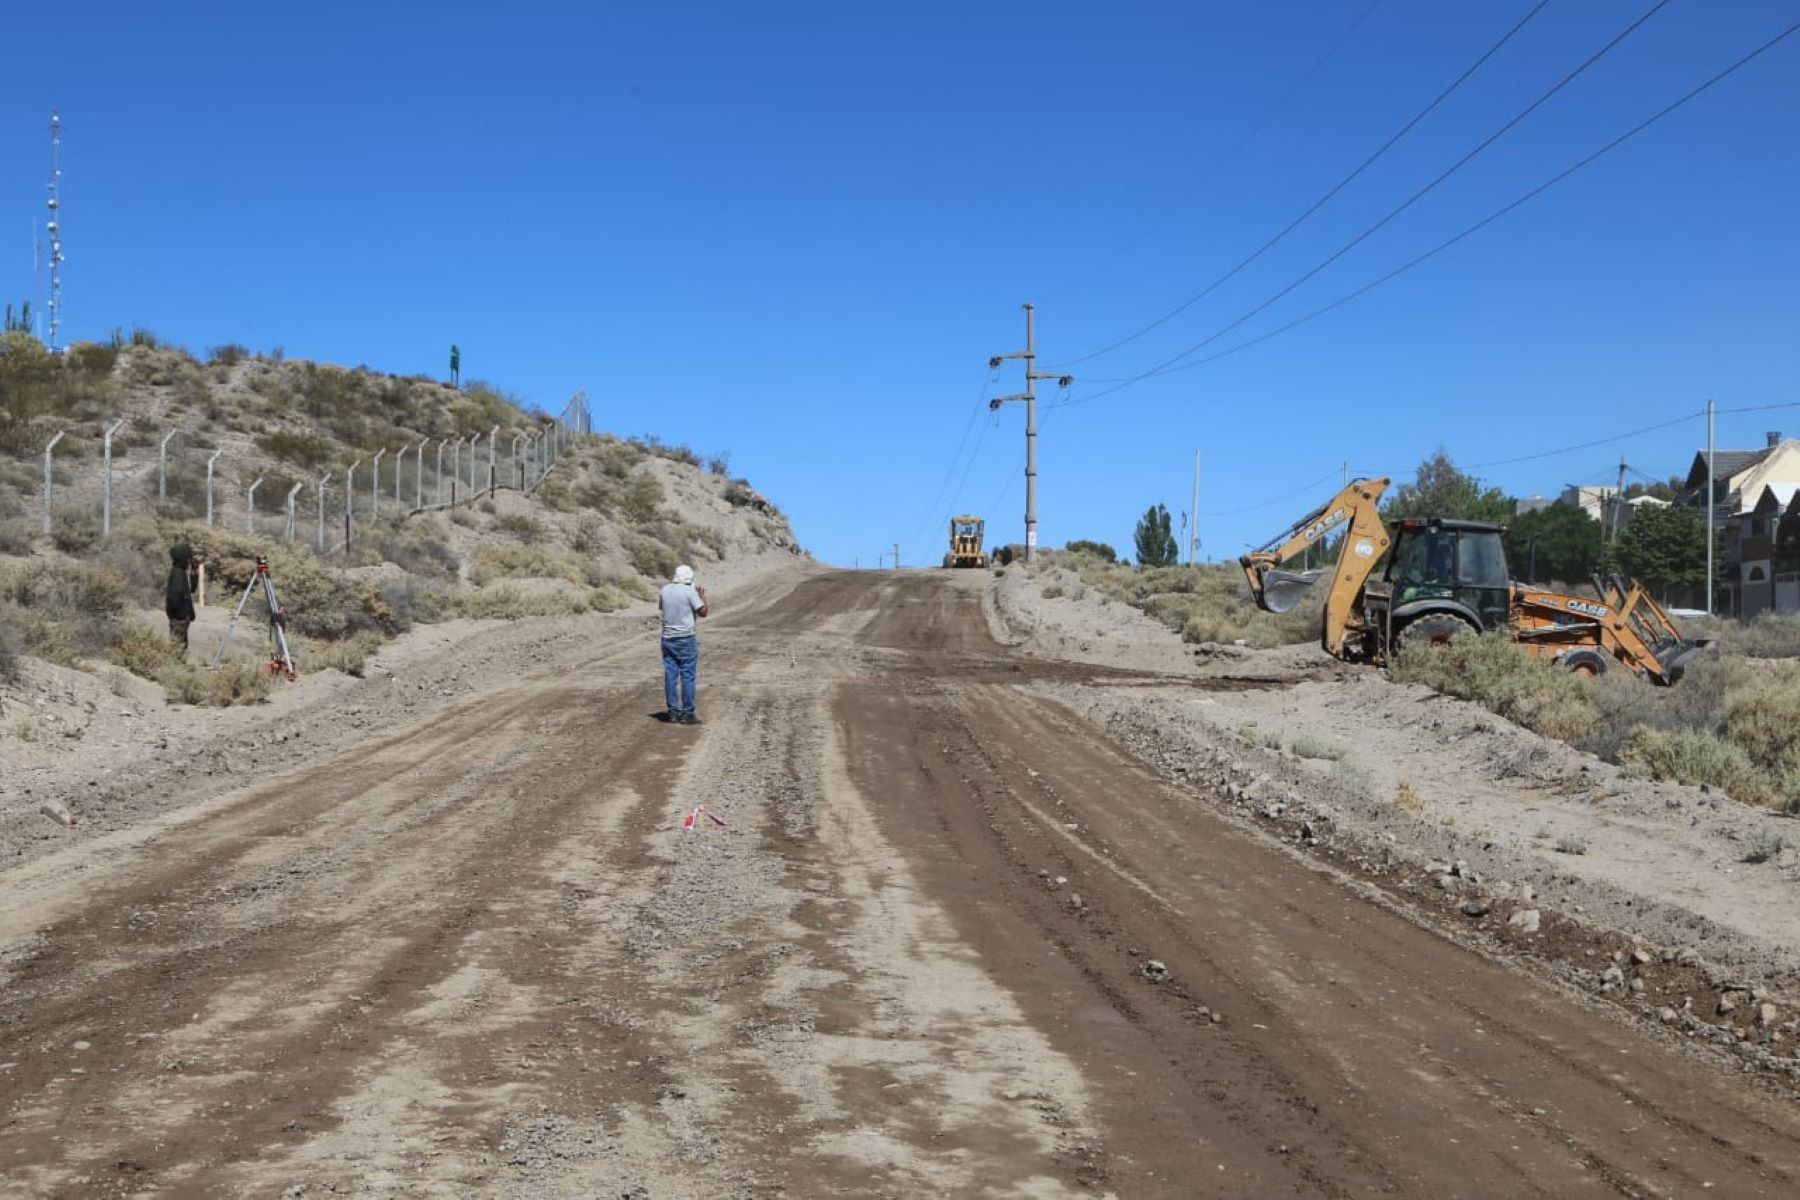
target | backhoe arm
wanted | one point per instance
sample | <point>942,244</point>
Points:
<point>1355,513</point>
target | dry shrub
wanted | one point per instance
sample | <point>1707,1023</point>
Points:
<point>523,526</point>
<point>1208,602</point>
<point>506,603</point>
<point>419,547</point>
<point>9,662</point>
<point>62,610</point>
<point>1764,722</point>
<point>231,683</point>
<point>350,655</point>
<point>641,498</point>
<point>1769,635</point>
<point>1496,674</point>
<point>526,562</point>
<point>650,557</point>
<point>320,602</point>
<point>15,537</point>
<point>143,649</point>
<point>1694,757</point>
<point>75,533</point>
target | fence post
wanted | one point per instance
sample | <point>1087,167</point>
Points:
<point>493,436</point>
<point>375,484</point>
<point>250,507</point>
<point>162,466</point>
<point>518,476</point>
<point>209,486</point>
<point>399,469</point>
<point>292,492</point>
<point>349,499</point>
<point>442,442</point>
<point>324,480</point>
<point>106,495</point>
<point>49,480</point>
<point>419,478</point>
<point>474,445</point>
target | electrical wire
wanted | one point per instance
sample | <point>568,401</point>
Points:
<point>1468,232</point>
<point>1261,504</point>
<point>980,403</point>
<point>1618,437</point>
<point>1322,200</point>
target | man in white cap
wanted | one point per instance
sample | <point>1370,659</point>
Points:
<point>683,604</point>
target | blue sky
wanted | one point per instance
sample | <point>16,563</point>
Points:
<point>796,232</point>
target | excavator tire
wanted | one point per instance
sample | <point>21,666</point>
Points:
<point>1586,661</point>
<point>1433,629</point>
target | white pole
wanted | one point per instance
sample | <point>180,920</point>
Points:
<point>49,476</point>
<point>419,478</point>
<point>442,442</point>
<point>375,484</point>
<point>250,507</point>
<point>1194,514</point>
<point>350,495</point>
<point>292,493</point>
<point>162,466</point>
<point>106,503</point>
<point>209,486</point>
<point>324,482</point>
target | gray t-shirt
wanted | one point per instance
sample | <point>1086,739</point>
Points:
<point>680,605</point>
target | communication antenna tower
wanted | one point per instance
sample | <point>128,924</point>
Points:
<point>54,227</point>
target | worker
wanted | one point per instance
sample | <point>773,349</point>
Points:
<point>178,596</point>
<point>683,603</point>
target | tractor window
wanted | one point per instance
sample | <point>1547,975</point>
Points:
<point>1427,557</point>
<point>1482,562</point>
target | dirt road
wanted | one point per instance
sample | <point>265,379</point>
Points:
<point>950,940</point>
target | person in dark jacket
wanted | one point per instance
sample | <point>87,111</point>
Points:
<point>178,600</point>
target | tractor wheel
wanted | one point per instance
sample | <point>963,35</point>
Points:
<point>1585,661</point>
<point>949,560</point>
<point>1433,629</point>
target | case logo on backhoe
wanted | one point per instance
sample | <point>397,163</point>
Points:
<point>1324,526</point>
<point>1582,606</point>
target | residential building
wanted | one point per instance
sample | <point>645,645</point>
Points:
<point>1753,494</point>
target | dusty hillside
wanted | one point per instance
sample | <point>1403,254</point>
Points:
<point>441,534</point>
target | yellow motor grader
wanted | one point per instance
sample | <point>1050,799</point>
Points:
<point>965,543</point>
<point>1443,578</point>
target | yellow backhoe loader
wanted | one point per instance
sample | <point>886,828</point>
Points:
<point>1442,578</point>
<point>965,543</point>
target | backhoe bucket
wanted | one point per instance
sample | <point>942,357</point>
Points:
<point>1675,657</point>
<point>1282,590</point>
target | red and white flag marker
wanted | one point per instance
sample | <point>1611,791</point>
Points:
<point>687,826</point>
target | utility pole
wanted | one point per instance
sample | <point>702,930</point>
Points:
<point>1709,507</point>
<point>1194,523</point>
<point>1029,396</point>
<point>1618,500</point>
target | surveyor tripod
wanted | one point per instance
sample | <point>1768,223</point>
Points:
<point>281,659</point>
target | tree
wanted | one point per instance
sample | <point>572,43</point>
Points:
<point>20,323</point>
<point>1663,549</point>
<point>1441,490</point>
<point>1568,543</point>
<point>1097,549</point>
<point>1156,540</point>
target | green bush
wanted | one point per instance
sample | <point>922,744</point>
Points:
<point>1764,722</point>
<point>641,499</point>
<point>523,561</point>
<point>305,449</point>
<point>1497,674</point>
<point>507,603</point>
<point>64,609</point>
<point>650,557</point>
<point>143,649</point>
<point>350,655</point>
<point>232,683</point>
<point>520,525</point>
<point>74,533</point>
<point>1694,757</point>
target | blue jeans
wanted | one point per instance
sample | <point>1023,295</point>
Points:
<point>680,656</point>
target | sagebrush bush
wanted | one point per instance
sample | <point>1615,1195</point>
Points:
<point>143,649</point>
<point>231,683</point>
<point>526,562</point>
<point>350,655</point>
<point>1768,635</point>
<point>650,557</point>
<point>418,547</point>
<point>520,525</point>
<point>506,603</point>
<point>1764,722</point>
<point>641,498</point>
<point>64,609</point>
<point>1693,756</point>
<point>1498,675</point>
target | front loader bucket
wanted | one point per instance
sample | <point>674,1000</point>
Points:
<point>1674,657</point>
<point>1282,590</point>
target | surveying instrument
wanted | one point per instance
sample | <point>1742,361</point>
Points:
<point>281,659</point>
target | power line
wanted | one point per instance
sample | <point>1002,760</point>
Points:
<point>1231,156</point>
<point>1618,437</point>
<point>1470,231</point>
<point>1289,495</point>
<point>1322,200</point>
<point>1170,363</point>
<point>975,415</point>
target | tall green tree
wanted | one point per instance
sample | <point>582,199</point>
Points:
<point>1567,541</point>
<point>1440,489</point>
<point>1156,539</point>
<point>1663,549</point>
<point>20,323</point>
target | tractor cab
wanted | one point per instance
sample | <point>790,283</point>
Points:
<point>1437,565</point>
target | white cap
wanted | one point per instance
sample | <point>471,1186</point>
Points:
<point>684,574</point>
